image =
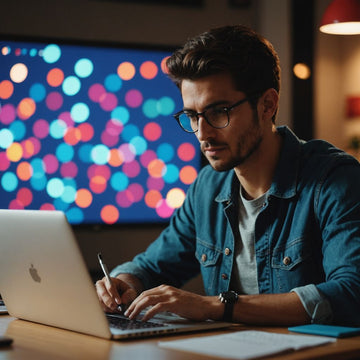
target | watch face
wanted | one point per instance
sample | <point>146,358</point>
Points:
<point>228,297</point>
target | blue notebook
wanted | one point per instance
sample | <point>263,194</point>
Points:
<point>326,330</point>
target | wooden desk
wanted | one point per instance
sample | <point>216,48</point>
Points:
<point>34,341</point>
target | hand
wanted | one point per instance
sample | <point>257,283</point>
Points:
<point>181,302</point>
<point>122,291</point>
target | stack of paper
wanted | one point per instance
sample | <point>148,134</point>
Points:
<point>246,344</point>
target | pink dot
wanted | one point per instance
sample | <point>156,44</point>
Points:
<point>7,114</point>
<point>131,169</point>
<point>133,98</point>
<point>186,152</point>
<point>16,205</point>
<point>54,101</point>
<point>95,92</point>
<point>124,198</point>
<point>127,152</point>
<point>147,157</point>
<point>155,183</point>
<point>24,196</point>
<point>108,101</point>
<point>69,169</point>
<point>109,139</point>
<point>114,127</point>
<point>4,161</point>
<point>66,117</point>
<point>99,170</point>
<point>47,206</point>
<point>51,163</point>
<point>137,192</point>
<point>152,131</point>
<point>36,144</point>
<point>41,128</point>
<point>164,210</point>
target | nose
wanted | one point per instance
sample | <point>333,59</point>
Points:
<point>204,129</point>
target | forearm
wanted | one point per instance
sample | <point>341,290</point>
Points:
<point>132,281</point>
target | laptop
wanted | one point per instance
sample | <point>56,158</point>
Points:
<point>44,279</point>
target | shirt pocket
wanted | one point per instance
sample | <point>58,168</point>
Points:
<point>293,266</point>
<point>208,257</point>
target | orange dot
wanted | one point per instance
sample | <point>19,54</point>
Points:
<point>72,136</point>
<point>109,214</point>
<point>163,65</point>
<point>97,184</point>
<point>188,174</point>
<point>116,158</point>
<point>55,77</point>
<point>126,70</point>
<point>152,198</point>
<point>148,70</point>
<point>6,89</point>
<point>14,152</point>
<point>28,149</point>
<point>25,196</point>
<point>26,108</point>
<point>24,171</point>
<point>83,198</point>
<point>156,168</point>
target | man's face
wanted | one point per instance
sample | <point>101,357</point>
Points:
<point>232,146</point>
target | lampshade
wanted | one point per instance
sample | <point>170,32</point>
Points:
<point>342,17</point>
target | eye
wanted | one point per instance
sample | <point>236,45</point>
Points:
<point>191,115</point>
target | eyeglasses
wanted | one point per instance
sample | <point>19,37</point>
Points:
<point>216,116</point>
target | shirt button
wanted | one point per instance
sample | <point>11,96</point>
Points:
<point>227,251</point>
<point>224,276</point>
<point>203,257</point>
<point>287,260</point>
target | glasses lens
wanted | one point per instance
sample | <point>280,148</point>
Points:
<point>188,123</point>
<point>217,117</point>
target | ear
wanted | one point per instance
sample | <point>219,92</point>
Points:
<point>269,103</point>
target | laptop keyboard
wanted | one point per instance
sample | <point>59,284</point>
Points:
<point>123,323</point>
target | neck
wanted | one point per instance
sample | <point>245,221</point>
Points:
<point>256,174</point>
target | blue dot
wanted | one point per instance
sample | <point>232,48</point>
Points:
<point>6,138</point>
<point>38,182</point>
<point>55,187</point>
<point>33,52</point>
<point>166,106</point>
<point>18,129</point>
<point>113,83</point>
<point>139,143</point>
<point>57,129</point>
<point>119,181</point>
<point>85,153</point>
<point>71,85</point>
<point>69,194</point>
<point>121,113</point>
<point>80,112</point>
<point>129,132</point>
<point>83,68</point>
<point>100,154</point>
<point>75,216</point>
<point>150,109</point>
<point>37,92</point>
<point>52,53</point>
<point>64,152</point>
<point>60,204</point>
<point>171,174</point>
<point>37,166</point>
<point>165,152</point>
<point>9,181</point>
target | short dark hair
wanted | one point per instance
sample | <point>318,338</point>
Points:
<point>250,59</point>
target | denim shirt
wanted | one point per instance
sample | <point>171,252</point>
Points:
<point>307,235</point>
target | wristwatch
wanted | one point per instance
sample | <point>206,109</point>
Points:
<point>229,298</point>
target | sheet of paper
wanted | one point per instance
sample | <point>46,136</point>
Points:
<point>246,344</point>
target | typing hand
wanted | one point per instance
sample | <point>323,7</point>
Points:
<point>181,302</point>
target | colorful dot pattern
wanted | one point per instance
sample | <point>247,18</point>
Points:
<point>88,130</point>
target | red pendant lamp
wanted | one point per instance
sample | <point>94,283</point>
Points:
<point>342,17</point>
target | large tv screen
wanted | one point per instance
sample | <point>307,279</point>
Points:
<point>87,129</point>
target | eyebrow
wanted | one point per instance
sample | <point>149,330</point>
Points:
<point>224,103</point>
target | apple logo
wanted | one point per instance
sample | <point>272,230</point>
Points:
<point>34,273</point>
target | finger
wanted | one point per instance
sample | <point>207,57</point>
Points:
<point>105,294</point>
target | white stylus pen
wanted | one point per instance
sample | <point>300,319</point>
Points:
<point>107,275</point>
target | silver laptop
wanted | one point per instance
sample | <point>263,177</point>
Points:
<point>44,279</point>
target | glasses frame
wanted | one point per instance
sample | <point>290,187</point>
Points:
<point>226,109</point>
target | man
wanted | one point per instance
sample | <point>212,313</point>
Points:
<point>274,219</point>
